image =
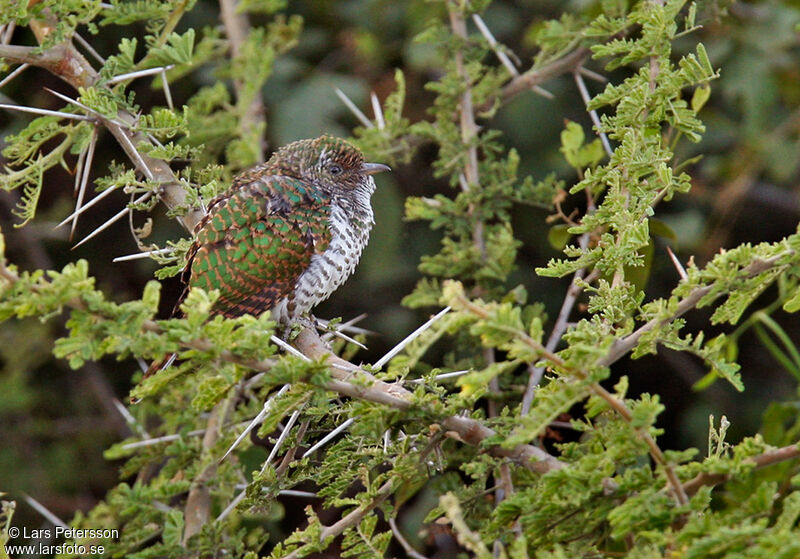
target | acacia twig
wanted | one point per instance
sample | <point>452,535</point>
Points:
<point>67,63</point>
<point>350,519</point>
<point>624,345</point>
<point>536,76</point>
<point>350,380</point>
<point>237,27</point>
<point>768,458</point>
<point>198,503</point>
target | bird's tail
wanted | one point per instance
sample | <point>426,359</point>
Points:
<point>154,367</point>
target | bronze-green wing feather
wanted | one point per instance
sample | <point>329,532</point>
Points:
<point>256,241</point>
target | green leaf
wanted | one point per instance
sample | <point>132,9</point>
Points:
<point>177,50</point>
<point>792,304</point>
<point>558,236</point>
<point>700,96</point>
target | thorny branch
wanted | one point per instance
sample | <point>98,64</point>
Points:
<point>351,519</point>
<point>237,27</point>
<point>622,347</point>
<point>469,131</point>
<point>349,380</point>
<point>66,62</point>
<point>536,76</point>
<point>768,458</point>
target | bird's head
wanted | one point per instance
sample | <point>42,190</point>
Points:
<point>332,163</point>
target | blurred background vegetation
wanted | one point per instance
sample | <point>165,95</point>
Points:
<point>55,422</point>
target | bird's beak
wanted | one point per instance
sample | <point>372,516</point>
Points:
<point>372,168</point>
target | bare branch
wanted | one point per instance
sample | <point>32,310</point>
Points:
<point>619,406</point>
<point>198,502</point>
<point>64,61</point>
<point>623,346</point>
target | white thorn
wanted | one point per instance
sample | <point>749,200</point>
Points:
<point>347,326</point>
<point>399,347</point>
<point>347,338</point>
<point>85,44</point>
<point>113,220</point>
<point>40,508</point>
<point>355,110</point>
<point>592,114</point>
<point>139,74</point>
<point>376,108</point>
<point>281,438</point>
<point>238,499</point>
<point>78,172</point>
<point>322,442</point>
<point>295,493</point>
<point>167,92</point>
<point>87,166</point>
<point>494,46</point>
<point>678,265</point>
<point>34,110</point>
<point>503,57</point>
<point>135,152</point>
<point>592,75</point>
<point>164,439</point>
<point>232,505</point>
<point>21,68</point>
<point>129,419</point>
<point>250,426</point>
<point>144,254</point>
<point>89,205</point>
<point>286,347</point>
<point>442,376</point>
<point>462,181</point>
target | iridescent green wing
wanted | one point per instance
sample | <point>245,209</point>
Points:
<point>255,243</point>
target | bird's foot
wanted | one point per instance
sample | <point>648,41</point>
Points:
<point>294,329</point>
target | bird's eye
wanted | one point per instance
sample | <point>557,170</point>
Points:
<point>335,169</point>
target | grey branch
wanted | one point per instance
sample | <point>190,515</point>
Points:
<point>237,27</point>
<point>66,62</point>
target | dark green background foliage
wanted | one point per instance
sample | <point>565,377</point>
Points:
<point>499,196</point>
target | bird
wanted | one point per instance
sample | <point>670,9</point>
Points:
<point>286,234</point>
